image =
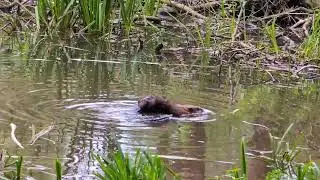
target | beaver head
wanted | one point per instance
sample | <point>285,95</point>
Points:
<point>154,104</point>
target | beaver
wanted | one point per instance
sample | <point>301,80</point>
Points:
<point>161,105</point>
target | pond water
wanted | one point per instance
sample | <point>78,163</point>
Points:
<point>93,105</point>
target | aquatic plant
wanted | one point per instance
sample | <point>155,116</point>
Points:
<point>308,170</point>
<point>236,172</point>
<point>58,169</point>
<point>143,166</point>
<point>19,166</point>
<point>10,169</point>
<point>282,162</point>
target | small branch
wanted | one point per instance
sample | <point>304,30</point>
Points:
<point>273,79</point>
<point>308,11</point>
<point>238,21</point>
<point>255,124</point>
<point>184,8</point>
<point>306,25</point>
<point>304,67</point>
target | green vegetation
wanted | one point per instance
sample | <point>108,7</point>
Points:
<point>63,14</point>
<point>58,169</point>
<point>151,7</point>
<point>12,169</point>
<point>128,10</point>
<point>143,166</point>
<point>242,25</point>
<point>311,46</point>
<point>19,166</point>
<point>236,172</point>
<point>96,15</point>
<point>272,34</point>
<point>282,162</point>
<point>92,16</point>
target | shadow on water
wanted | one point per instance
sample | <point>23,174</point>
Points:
<point>93,104</point>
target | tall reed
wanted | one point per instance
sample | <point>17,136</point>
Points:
<point>310,47</point>
<point>96,14</point>
<point>62,14</point>
<point>128,9</point>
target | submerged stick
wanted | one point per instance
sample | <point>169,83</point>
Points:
<point>35,137</point>
<point>13,136</point>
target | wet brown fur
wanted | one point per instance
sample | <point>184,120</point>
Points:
<point>160,105</point>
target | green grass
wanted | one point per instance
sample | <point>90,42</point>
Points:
<point>311,45</point>
<point>142,166</point>
<point>151,7</point>
<point>271,33</point>
<point>96,14</point>
<point>205,40</point>
<point>128,9</point>
<point>62,14</point>
<point>223,9</point>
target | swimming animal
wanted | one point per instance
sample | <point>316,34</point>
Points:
<point>160,105</point>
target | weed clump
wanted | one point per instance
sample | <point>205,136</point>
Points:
<point>143,166</point>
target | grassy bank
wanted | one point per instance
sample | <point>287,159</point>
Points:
<point>228,31</point>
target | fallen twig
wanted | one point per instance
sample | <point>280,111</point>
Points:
<point>207,5</point>
<point>289,12</point>
<point>184,8</point>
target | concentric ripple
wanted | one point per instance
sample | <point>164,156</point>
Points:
<point>127,111</point>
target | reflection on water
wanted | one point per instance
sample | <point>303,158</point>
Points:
<point>93,105</point>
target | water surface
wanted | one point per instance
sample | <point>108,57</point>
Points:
<point>93,105</point>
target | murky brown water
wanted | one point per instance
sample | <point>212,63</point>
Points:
<point>93,105</point>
